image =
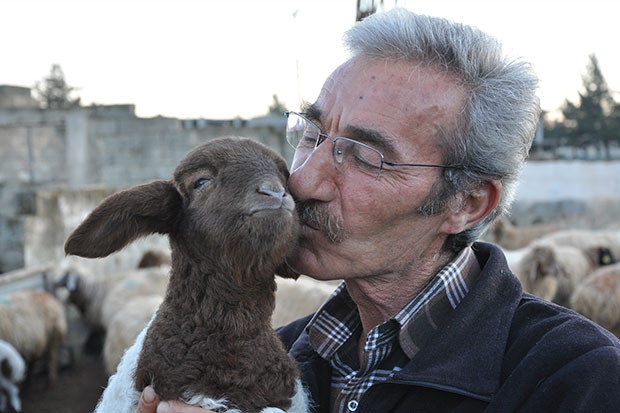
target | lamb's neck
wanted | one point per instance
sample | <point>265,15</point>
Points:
<point>222,300</point>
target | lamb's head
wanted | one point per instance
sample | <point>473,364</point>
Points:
<point>227,198</point>
<point>235,203</point>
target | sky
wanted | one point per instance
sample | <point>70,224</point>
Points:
<point>221,59</point>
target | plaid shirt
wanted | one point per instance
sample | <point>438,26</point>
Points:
<point>335,329</point>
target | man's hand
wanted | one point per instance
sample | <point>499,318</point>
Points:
<point>149,403</point>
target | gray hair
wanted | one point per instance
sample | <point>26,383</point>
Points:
<point>496,128</point>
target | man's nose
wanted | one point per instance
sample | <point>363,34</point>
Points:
<point>313,177</point>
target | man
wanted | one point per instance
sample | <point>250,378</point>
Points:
<point>412,148</point>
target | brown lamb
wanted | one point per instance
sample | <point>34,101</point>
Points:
<point>231,224</point>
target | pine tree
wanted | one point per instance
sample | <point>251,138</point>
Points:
<point>53,92</point>
<point>590,120</point>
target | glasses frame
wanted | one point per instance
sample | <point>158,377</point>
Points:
<point>319,141</point>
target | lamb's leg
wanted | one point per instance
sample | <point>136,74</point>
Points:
<point>12,392</point>
<point>52,354</point>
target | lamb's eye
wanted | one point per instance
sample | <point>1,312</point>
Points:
<point>200,182</point>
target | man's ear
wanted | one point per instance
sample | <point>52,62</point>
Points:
<point>471,208</point>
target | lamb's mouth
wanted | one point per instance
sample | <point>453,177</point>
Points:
<point>273,207</point>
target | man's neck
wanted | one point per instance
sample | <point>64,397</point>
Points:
<point>380,298</point>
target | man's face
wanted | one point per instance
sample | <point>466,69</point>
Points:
<point>397,108</point>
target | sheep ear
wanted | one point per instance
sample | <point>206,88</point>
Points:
<point>125,216</point>
<point>285,271</point>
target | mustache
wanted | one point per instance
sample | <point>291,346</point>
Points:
<point>315,215</point>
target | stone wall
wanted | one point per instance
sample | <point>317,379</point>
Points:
<point>576,194</point>
<point>109,145</point>
<point>104,146</point>
<point>58,213</point>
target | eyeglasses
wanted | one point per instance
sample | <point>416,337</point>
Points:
<point>305,136</point>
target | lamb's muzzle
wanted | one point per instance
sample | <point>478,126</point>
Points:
<point>275,197</point>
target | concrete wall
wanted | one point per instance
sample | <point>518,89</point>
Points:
<point>58,213</point>
<point>109,145</point>
<point>106,146</point>
<point>16,97</point>
<point>582,194</point>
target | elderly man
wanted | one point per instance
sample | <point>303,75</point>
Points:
<point>412,148</point>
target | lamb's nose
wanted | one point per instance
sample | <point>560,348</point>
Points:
<point>276,196</point>
<point>276,193</point>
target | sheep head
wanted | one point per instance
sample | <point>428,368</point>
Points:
<point>542,271</point>
<point>227,198</point>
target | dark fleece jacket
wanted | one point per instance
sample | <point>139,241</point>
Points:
<point>502,350</point>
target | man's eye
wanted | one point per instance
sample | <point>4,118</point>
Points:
<point>200,182</point>
<point>307,141</point>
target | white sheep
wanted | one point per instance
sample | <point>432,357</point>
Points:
<point>12,372</point>
<point>297,298</point>
<point>549,271</point>
<point>598,298</point>
<point>87,291</point>
<point>137,283</point>
<point>231,224</point>
<point>35,323</point>
<point>125,326</point>
<point>513,237</point>
<point>552,271</point>
<point>101,301</point>
<point>589,240</point>
<point>553,265</point>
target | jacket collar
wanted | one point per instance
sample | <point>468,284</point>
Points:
<point>465,356</point>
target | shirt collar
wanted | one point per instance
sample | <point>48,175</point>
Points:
<point>428,310</point>
<point>339,318</point>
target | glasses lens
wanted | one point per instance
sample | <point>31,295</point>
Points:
<point>350,154</point>
<point>300,133</point>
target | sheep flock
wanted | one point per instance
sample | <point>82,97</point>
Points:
<point>575,268</point>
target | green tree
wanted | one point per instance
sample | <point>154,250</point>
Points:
<point>276,108</point>
<point>613,121</point>
<point>590,120</point>
<point>53,92</point>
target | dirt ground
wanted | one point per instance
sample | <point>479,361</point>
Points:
<point>77,391</point>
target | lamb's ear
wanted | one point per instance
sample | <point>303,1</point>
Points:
<point>285,271</point>
<point>125,216</point>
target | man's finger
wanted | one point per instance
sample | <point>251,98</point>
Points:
<point>148,401</point>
